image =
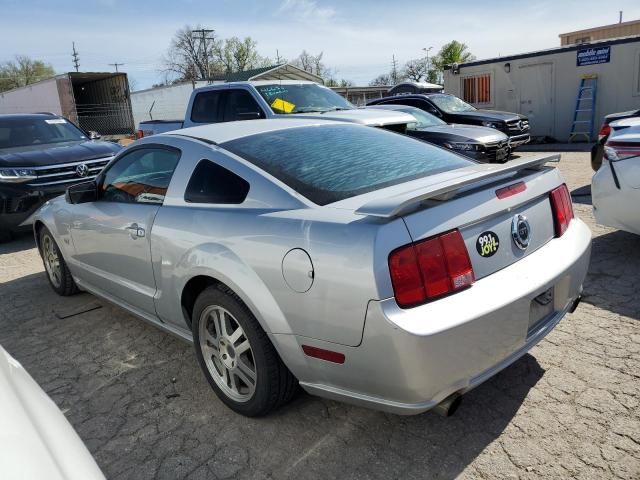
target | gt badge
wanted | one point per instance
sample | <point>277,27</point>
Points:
<point>487,244</point>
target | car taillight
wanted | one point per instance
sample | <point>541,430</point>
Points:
<point>430,269</point>
<point>615,151</point>
<point>139,134</point>
<point>562,208</point>
<point>604,132</point>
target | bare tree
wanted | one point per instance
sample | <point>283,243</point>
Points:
<point>415,69</point>
<point>23,71</point>
<point>313,64</point>
<point>188,56</point>
<point>381,80</point>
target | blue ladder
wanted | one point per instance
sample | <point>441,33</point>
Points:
<point>584,114</point>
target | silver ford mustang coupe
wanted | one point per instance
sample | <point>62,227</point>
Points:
<point>360,264</point>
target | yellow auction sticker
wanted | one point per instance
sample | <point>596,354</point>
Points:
<point>487,244</point>
<point>283,105</point>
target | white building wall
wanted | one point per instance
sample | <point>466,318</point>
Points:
<point>170,102</point>
<point>38,97</point>
<point>618,86</point>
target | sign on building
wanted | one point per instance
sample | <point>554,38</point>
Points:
<point>593,56</point>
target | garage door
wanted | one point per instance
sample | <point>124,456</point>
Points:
<point>536,97</point>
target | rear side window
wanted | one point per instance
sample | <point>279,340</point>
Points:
<point>207,107</point>
<point>211,183</point>
<point>332,162</point>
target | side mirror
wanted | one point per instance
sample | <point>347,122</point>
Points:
<point>93,135</point>
<point>84,192</point>
<point>248,115</point>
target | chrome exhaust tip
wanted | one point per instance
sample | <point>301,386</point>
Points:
<point>448,406</point>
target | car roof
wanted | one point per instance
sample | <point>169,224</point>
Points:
<point>408,95</point>
<point>226,131</point>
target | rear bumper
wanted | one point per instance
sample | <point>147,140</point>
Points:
<point>410,360</point>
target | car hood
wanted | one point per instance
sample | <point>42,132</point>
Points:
<point>468,132</point>
<point>365,116</point>
<point>54,154</point>
<point>36,440</point>
<point>488,115</point>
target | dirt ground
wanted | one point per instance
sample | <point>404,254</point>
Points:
<point>569,408</point>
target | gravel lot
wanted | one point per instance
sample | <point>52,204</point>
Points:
<point>570,408</point>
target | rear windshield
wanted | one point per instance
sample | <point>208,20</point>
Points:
<point>332,162</point>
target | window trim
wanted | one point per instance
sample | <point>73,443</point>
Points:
<point>99,180</point>
<point>225,204</point>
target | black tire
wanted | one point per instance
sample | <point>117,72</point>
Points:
<point>275,385</point>
<point>63,284</point>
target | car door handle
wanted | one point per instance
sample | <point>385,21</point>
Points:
<point>135,231</point>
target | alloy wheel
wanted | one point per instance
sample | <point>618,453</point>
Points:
<point>52,261</point>
<point>227,353</point>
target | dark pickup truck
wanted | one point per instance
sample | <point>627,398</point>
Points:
<point>453,110</point>
<point>40,156</point>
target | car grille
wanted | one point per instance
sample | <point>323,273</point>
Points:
<point>517,127</point>
<point>69,172</point>
<point>491,149</point>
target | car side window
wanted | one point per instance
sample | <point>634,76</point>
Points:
<point>141,176</point>
<point>240,105</point>
<point>207,107</point>
<point>211,183</point>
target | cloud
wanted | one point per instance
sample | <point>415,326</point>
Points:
<point>305,10</point>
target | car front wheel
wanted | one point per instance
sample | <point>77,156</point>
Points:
<point>236,355</point>
<point>58,273</point>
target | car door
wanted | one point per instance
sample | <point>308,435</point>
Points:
<point>111,235</point>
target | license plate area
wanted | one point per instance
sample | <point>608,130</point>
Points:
<point>540,309</point>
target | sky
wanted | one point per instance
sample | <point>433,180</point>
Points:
<point>358,37</point>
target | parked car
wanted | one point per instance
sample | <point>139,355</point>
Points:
<point>40,156</point>
<point>36,440</point>
<point>453,110</point>
<point>615,187</point>
<point>483,144</point>
<point>597,150</point>
<point>235,101</point>
<point>368,266</point>
<point>408,86</point>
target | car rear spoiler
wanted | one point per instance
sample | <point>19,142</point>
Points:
<point>397,204</point>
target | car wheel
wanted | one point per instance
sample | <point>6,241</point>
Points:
<point>58,273</point>
<point>236,355</point>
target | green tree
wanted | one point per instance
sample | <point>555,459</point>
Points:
<point>235,55</point>
<point>450,53</point>
<point>23,71</point>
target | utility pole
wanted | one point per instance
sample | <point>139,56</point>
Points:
<point>76,59</point>
<point>620,18</point>
<point>202,35</point>
<point>115,65</point>
<point>277,57</point>
<point>394,69</point>
<point>426,73</point>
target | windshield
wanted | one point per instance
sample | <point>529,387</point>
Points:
<point>302,98</point>
<point>332,162</point>
<point>423,119</point>
<point>22,132</point>
<point>450,104</point>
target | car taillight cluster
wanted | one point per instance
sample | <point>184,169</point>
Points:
<point>430,269</point>
<point>562,208</point>
<point>604,132</point>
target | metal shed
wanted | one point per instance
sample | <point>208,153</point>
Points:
<point>544,85</point>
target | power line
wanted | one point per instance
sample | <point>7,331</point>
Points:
<point>76,58</point>
<point>116,64</point>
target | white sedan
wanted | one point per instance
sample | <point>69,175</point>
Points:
<point>615,187</point>
<point>36,440</point>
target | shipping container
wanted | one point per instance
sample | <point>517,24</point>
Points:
<point>94,101</point>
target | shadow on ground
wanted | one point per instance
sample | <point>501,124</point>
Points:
<point>582,195</point>
<point>614,274</point>
<point>137,398</point>
<point>20,242</point>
